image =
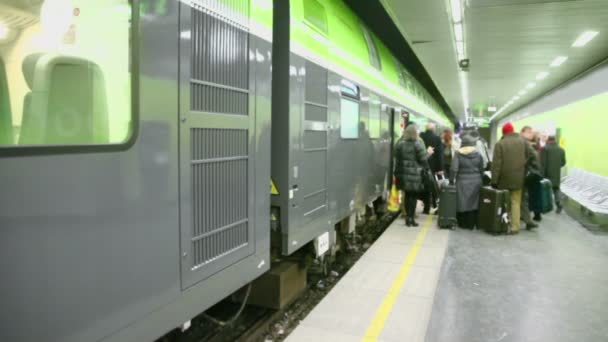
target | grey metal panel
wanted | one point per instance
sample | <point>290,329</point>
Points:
<point>226,177</point>
<point>90,243</point>
<point>316,112</point>
<point>315,139</point>
<point>316,84</point>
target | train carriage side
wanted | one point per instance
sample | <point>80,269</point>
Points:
<point>335,88</point>
<point>134,192</point>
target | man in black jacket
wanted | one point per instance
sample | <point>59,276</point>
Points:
<point>552,159</point>
<point>431,139</point>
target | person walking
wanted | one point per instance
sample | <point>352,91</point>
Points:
<point>467,171</point>
<point>508,170</point>
<point>552,159</point>
<point>531,191</point>
<point>411,161</point>
<point>435,161</point>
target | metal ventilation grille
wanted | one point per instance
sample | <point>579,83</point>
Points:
<point>219,195</point>
<point>220,66</point>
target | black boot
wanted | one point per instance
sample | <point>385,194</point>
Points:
<point>413,223</point>
<point>537,217</point>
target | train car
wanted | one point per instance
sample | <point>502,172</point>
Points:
<point>335,89</point>
<point>136,152</point>
<point>135,163</point>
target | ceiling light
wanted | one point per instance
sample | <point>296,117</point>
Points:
<point>584,38</point>
<point>522,92</point>
<point>460,48</point>
<point>541,75</point>
<point>531,85</point>
<point>456,11</point>
<point>3,30</point>
<point>458,32</point>
<point>559,60</point>
<point>516,97</point>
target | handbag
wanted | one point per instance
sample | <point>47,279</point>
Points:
<point>430,184</point>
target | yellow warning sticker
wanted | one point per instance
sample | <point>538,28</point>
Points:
<point>273,188</point>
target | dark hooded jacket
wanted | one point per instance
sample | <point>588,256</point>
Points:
<point>410,160</point>
<point>552,159</point>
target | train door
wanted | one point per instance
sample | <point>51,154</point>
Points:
<point>216,140</point>
<point>312,188</point>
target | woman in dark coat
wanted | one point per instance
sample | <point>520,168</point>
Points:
<point>467,172</point>
<point>411,160</point>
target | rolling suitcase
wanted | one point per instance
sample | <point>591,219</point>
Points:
<point>447,205</point>
<point>546,196</point>
<point>494,210</point>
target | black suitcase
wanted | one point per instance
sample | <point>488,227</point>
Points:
<point>494,209</point>
<point>447,206</point>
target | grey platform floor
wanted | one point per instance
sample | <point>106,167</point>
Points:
<point>549,284</point>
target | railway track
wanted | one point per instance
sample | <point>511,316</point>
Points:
<point>257,324</point>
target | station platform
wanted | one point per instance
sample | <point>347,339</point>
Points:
<point>427,284</point>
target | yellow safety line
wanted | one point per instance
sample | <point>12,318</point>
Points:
<point>377,324</point>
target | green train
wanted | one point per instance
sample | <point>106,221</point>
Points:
<point>138,138</point>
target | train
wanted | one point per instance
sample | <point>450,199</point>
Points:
<point>138,139</point>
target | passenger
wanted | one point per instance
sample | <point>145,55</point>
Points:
<point>533,185</point>
<point>411,160</point>
<point>508,170</point>
<point>448,151</point>
<point>467,171</point>
<point>553,158</point>
<point>435,161</point>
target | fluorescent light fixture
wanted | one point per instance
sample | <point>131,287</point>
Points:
<point>492,109</point>
<point>3,30</point>
<point>464,88</point>
<point>522,92</point>
<point>456,11</point>
<point>559,60</point>
<point>516,97</point>
<point>531,85</point>
<point>458,33</point>
<point>584,38</point>
<point>460,48</point>
<point>541,75</point>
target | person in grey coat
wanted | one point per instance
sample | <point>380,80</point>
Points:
<point>467,172</point>
<point>552,159</point>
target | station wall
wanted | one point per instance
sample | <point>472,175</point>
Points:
<point>580,110</point>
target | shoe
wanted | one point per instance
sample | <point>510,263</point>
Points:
<point>426,211</point>
<point>537,218</point>
<point>513,232</point>
<point>531,225</point>
<point>410,222</point>
<point>558,210</point>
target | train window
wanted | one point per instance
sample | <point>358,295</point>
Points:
<point>374,117</point>
<point>67,63</point>
<point>349,118</point>
<point>350,89</point>
<point>314,14</point>
<point>374,58</point>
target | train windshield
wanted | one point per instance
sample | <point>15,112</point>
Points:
<point>64,72</point>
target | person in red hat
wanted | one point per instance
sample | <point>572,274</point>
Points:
<point>509,168</point>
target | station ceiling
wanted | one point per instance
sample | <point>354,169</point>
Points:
<point>508,43</point>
